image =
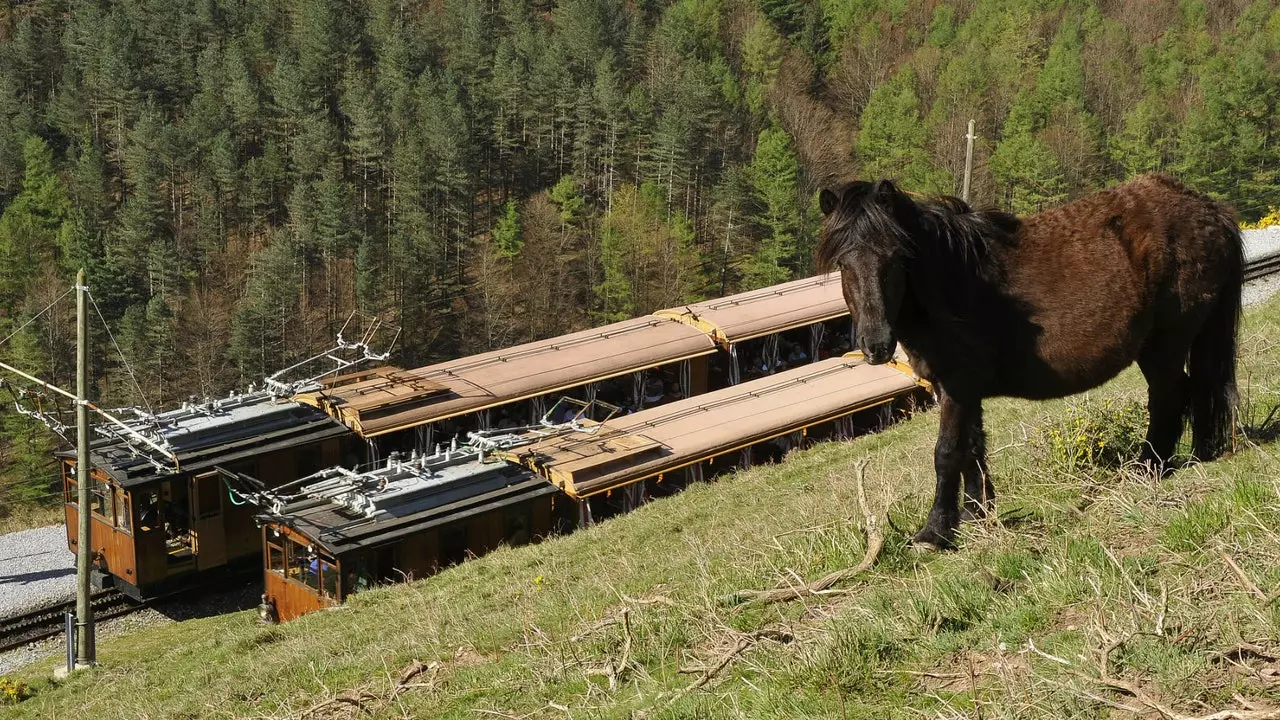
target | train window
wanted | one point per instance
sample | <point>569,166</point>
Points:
<point>357,579</point>
<point>122,511</point>
<point>311,572</point>
<point>101,503</point>
<point>295,560</point>
<point>275,558</point>
<point>210,497</point>
<point>148,503</point>
<point>73,488</point>
<point>329,579</point>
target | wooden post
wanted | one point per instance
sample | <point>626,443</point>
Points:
<point>968,162</point>
<point>85,653</point>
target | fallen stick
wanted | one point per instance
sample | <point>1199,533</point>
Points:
<point>1245,580</point>
<point>742,645</point>
<point>823,585</point>
<point>1141,695</point>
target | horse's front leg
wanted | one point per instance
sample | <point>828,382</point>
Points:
<point>949,458</point>
<point>979,491</point>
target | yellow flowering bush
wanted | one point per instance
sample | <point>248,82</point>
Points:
<point>1271,218</point>
<point>1090,434</point>
<point>13,691</point>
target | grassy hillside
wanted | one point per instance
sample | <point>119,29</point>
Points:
<point>1105,593</point>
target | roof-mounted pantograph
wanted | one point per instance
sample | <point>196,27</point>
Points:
<point>156,438</point>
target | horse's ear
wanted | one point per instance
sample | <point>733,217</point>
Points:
<point>885,188</point>
<point>827,200</point>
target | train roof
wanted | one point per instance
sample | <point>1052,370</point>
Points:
<point>343,511</point>
<point>634,447</point>
<point>769,310</point>
<point>222,431</point>
<point>390,399</point>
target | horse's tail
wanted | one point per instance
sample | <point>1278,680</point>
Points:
<point>1213,358</point>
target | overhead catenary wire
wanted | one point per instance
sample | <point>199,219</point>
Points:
<point>33,318</point>
<point>123,359</point>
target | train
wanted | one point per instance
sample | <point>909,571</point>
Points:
<point>158,528</point>
<point>339,532</point>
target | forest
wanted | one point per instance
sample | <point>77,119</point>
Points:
<point>238,176</point>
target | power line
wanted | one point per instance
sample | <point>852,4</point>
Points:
<point>120,352</point>
<point>37,315</point>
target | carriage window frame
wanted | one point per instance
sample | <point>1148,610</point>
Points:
<point>329,577</point>
<point>102,500</point>
<point>123,511</point>
<point>211,487</point>
<point>275,550</point>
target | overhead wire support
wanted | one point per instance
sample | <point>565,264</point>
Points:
<point>114,426</point>
<point>277,385</point>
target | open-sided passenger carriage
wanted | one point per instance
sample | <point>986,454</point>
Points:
<point>340,531</point>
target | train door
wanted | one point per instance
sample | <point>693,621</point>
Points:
<point>208,525</point>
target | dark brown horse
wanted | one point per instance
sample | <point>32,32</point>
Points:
<point>988,304</point>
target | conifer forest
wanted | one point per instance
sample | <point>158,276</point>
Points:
<point>238,176</point>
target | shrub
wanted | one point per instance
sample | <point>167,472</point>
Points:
<point>13,691</point>
<point>1092,435</point>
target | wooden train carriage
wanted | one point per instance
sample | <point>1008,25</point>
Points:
<point>632,455</point>
<point>344,531</point>
<point>154,531</point>
<point>414,409</point>
<point>637,363</point>
<point>774,328</point>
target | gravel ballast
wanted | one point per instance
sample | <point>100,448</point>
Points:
<point>1258,243</point>
<point>36,569</point>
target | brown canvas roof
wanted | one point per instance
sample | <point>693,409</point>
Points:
<point>765,311</point>
<point>391,399</point>
<point>634,447</point>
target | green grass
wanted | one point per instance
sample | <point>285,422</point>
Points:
<point>14,518</point>
<point>1099,556</point>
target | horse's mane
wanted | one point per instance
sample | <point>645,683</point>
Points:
<point>891,220</point>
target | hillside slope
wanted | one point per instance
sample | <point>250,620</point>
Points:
<point>628,619</point>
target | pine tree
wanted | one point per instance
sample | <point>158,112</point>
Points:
<point>506,234</point>
<point>32,224</point>
<point>774,175</point>
<point>891,141</point>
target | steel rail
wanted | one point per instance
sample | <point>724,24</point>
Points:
<point>45,622</point>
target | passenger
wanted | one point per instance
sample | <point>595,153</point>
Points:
<point>652,391</point>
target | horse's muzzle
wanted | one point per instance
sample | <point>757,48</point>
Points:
<point>878,352</point>
<point>880,356</point>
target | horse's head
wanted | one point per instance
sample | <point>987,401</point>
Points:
<point>864,236</point>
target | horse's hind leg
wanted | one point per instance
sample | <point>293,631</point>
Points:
<point>979,491</point>
<point>1167,397</point>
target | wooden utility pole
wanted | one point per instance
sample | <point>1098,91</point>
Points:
<point>968,162</point>
<point>724,260</point>
<point>85,652</point>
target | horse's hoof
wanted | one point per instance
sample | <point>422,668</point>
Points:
<point>933,540</point>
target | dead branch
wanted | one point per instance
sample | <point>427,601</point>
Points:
<point>1143,697</point>
<point>361,699</point>
<point>612,670</point>
<point>1245,580</point>
<point>744,643</point>
<point>1247,650</point>
<point>823,585</point>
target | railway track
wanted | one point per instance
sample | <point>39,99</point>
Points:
<point>26,628</point>
<point>1261,267</point>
